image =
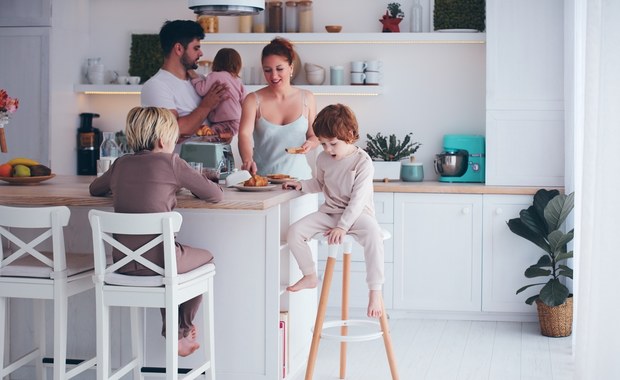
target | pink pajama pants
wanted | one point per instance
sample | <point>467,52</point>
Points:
<point>365,230</point>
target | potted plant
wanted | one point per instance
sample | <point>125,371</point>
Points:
<point>541,224</point>
<point>386,153</point>
<point>392,17</point>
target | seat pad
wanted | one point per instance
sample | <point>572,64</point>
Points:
<point>29,266</point>
<point>154,281</point>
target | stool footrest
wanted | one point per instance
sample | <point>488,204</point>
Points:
<point>354,337</point>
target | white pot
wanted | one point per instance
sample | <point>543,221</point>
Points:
<point>389,170</point>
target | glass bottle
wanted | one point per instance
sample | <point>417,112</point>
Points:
<point>416,17</point>
<point>275,16</point>
<point>109,148</point>
<point>290,17</point>
<point>304,16</point>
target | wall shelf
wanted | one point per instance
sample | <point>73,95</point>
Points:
<point>120,89</point>
<point>346,38</point>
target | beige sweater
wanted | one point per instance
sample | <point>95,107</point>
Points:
<point>346,184</point>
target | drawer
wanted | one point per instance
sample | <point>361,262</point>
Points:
<point>358,252</point>
<point>384,206</point>
<point>358,289</point>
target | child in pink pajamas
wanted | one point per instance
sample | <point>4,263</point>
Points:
<point>344,174</point>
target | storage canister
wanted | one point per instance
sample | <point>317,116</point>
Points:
<point>275,16</point>
<point>290,17</point>
<point>304,16</point>
<point>258,22</point>
<point>245,24</point>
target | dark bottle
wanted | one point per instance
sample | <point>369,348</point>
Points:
<point>88,141</point>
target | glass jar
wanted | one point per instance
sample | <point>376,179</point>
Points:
<point>290,17</point>
<point>275,17</point>
<point>210,24</point>
<point>245,24</point>
<point>304,16</point>
<point>258,22</point>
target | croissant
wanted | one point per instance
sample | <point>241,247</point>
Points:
<point>256,181</point>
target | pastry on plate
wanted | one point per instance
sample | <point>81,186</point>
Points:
<point>294,150</point>
<point>278,176</point>
<point>256,181</point>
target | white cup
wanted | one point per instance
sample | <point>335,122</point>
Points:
<point>122,79</point>
<point>357,78</point>
<point>372,77</point>
<point>358,66</point>
<point>103,165</point>
<point>374,65</point>
<point>133,80</point>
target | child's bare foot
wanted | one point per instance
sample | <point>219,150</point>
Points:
<point>308,281</point>
<point>187,346</point>
<point>193,333</point>
<point>375,304</point>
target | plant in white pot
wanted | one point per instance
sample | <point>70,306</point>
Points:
<point>541,224</point>
<point>386,153</point>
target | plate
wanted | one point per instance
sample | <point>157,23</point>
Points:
<point>255,188</point>
<point>27,180</point>
<point>281,180</point>
<point>457,30</point>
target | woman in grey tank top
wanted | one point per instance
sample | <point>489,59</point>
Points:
<point>277,117</point>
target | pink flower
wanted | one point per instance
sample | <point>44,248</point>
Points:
<point>7,104</point>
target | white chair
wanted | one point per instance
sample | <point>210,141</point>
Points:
<point>27,272</point>
<point>320,326</point>
<point>166,290</point>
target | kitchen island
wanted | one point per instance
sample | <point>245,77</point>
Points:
<point>246,233</point>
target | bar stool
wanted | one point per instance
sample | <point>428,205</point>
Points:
<point>30,272</point>
<point>383,329</point>
<point>166,290</point>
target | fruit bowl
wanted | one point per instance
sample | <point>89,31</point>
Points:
<point>27,180</point>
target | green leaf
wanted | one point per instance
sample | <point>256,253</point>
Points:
<point>535,271</point>
<point>544,261</point>
<point>558,240</point>
<point>558,210</point>
<point>529,286</point>
<point>531,299</point>
<point>517,226</point>
<point>541,200</point>
<point>534,221</point>
<point>566,271</point>
<point>554,293</point>
<point>564,256</point>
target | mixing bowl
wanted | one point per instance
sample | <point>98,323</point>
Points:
<point>451,164</point>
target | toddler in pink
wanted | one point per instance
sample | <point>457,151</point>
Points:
<point>224,119</point>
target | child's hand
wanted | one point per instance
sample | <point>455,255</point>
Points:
<point>293,185</point>
<point>335,235</point>
<point>192,74</point>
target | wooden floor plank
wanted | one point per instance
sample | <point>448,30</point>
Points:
<point>476,361</point>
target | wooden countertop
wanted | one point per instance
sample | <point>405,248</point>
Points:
<point>455,188</point>
<point>71,190</point>
<point>68,190</point>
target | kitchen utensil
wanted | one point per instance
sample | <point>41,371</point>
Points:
<point>358,66</point>
<point>357,78</point>
<point>333,28</point>
<point>316,77</point>
<point>372,77</point>
<point>463,159</point>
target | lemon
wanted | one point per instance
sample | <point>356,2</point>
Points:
<point>21,171</point>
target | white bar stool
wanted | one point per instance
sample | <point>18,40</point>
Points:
<point>320,325</point>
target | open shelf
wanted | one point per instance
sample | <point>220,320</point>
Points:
<point>120,89</point>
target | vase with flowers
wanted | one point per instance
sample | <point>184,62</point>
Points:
<point>8,105</point>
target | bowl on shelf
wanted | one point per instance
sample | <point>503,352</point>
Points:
<point>315,77</point>
<point>333,28</point>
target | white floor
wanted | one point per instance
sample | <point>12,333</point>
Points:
<point>453,350</point>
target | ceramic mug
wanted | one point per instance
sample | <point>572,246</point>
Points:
<point>374,65</point>
<point>358,66</point>
<point>133,80</point>
<point>372,77</point>
<point>412,172</point>
<point>357,78</point>
<point>122,79</point>
<point>336,75</point>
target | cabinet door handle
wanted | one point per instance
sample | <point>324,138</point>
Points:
<point>465,210</point>
<point>499,211</point>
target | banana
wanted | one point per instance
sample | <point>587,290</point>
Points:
<point>22,161</point>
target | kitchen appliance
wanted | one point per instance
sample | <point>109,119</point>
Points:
<point>463,159</point>
<point>88,142</point>
<point>226,7</point>
<point>213,155</point>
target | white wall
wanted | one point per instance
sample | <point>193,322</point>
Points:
<point>429,89</point>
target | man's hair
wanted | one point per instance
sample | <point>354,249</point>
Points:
<point>228,60</point>
<point>146,125</point>
<point>336,121</point>
<point>179,31</point>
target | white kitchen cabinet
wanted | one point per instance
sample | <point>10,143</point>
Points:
<point>505,256</point>
<point>437,252</point>
<point>525,93</point>
<point>26,13</point>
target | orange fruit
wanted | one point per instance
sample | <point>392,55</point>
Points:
<point>5,170</point>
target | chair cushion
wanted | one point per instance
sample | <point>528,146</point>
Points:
<point>154,281</point>
<point>28,266</point>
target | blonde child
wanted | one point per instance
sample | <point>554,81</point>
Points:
<point>147,181</point>
<point>224,119</point>
<point>344,174</point>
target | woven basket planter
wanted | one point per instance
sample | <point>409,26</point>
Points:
<point>556,321</point>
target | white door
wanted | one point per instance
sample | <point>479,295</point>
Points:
<point>437,252</point>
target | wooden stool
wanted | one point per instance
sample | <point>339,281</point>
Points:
<point>344,322</point>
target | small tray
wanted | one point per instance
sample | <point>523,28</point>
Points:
<point>27,180</point>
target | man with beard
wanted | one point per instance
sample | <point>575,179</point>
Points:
<point>171,88</point>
